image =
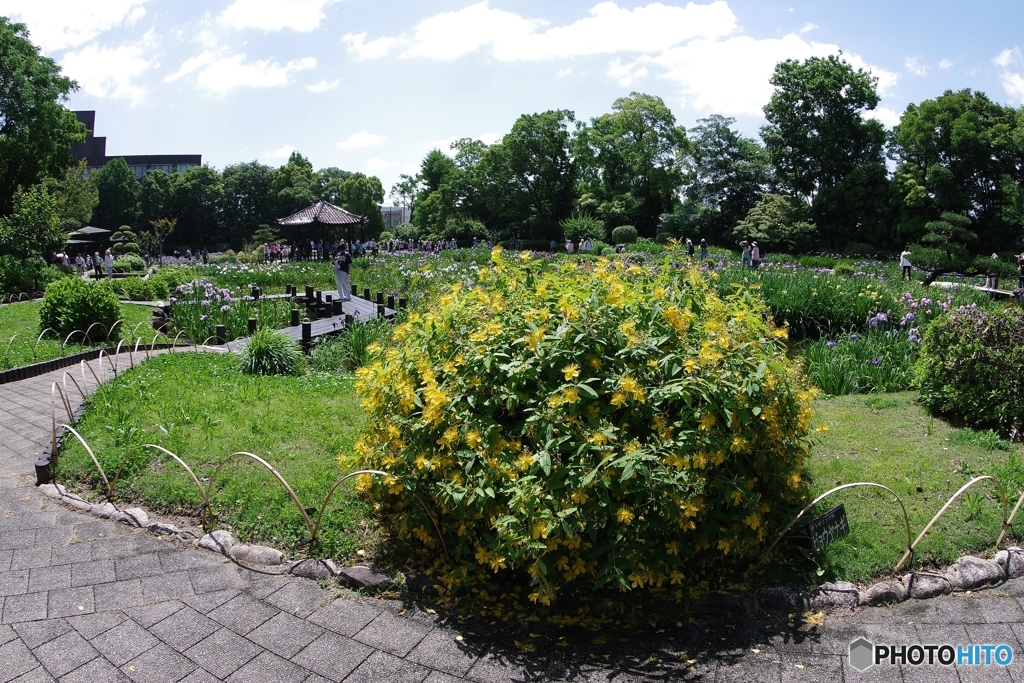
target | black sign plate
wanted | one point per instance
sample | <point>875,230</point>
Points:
<point>831,526</point>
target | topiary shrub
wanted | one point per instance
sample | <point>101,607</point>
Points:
<point>72,304</point>
<point>585,425</point>
<point>120,248</point>
<point>583,226</point>
<point>624,234</point>
<point>664,237</point>
<point>971,367</point>
<point>135,289</point>
<point>129,263</point>
<point>843,269</point>
<point>270,352</point>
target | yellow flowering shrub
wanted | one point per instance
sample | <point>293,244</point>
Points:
<point>585,425</point>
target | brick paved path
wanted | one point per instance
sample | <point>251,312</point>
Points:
<point>83,599</point>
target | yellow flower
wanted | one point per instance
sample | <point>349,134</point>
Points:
<point>578,497</point>
<point>707,421</point>
<point>450,436</point>
<point>540,530</point>
<point>594,362</point>
<point>619,398</point>
<point>625,515</point>
<point>822,429</point>
<point>672,548</point>
<point>482,556</point>
<point>724,546</point>
<point>473,438</point>
<point>571,395</point>
<point>571,371</point>
<point>753,521</point>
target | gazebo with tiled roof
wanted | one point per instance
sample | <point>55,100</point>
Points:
<point>324,214</point>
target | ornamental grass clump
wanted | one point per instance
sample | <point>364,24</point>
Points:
<point>270,352</point>
<point>578,425</point>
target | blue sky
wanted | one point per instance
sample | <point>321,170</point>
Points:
<point>371,86</point>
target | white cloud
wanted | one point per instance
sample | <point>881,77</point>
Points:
<point>1013,84</point>
<point>511,37</point>
<point>60,24</point>
<point>914,66</point>
<point>889,117</point>
<point>109,72</point>
<point>358,46</point>
<point>193,63</point>
<point>361,139</point>
<point>1008,57</point>
<point>275,15</point>
<point>219,73</point>
<point>732,76</point>
<point>323,86</point>
<point>626,74</point>
<point>280,154</point>
<point>808,27</point>
<point>563,73</point>
<point>945,64</point>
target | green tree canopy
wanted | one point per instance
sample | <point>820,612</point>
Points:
<point>74,194</point>
<point>725,172</point>
<point>198,195</point>
<point>776,222</point>
<point>632,156</point>
<point>248,202</point>
<point>36,131</point>
<point>118,190</point>
<point>33,227</point>
<point>961,153</point>
<point>816,133</point>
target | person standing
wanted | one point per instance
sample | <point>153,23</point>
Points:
<point>745,254</point>
<point>108,261</point>
<point>905,262</point>
<point>1020,269</point>
<point>755,255</point>
<point>993,273</point>
<point>97,263</point>
<point>703,250</point>
<point>342,263</point>
<point>689,248</point>
<point>568,246</point>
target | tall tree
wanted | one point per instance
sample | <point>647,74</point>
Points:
<point>294,186</point>
<point>634,167</point>
<point>817,135</point>
<point>363,195</point>
<point>436,198</point>
<point>961,153</point>
<point>118,190</point>
<point>156,197</point>
<point>33,227</point>
<point>36,131</point>
<point>725,173</point>
<point>198,195</point>
<point>74,194</point>
<point>536,162</point>
<point>248,202</point>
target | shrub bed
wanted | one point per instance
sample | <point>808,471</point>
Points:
<point>72,304</point>
<point>971,367</point>
<point>585,427</point>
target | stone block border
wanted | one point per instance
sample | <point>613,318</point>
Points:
<point>967,573</point>
<point>35,369</point>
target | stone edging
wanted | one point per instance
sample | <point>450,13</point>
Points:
<point>258,557</point>
<point>967,573</point>
<point>35,369</point>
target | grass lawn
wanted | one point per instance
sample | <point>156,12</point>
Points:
<point>200,407</point>
<point>20,321</point>
<point>889,439</point>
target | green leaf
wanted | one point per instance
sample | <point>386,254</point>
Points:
<point>544,459</point>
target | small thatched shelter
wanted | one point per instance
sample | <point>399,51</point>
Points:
<point>326,215</point>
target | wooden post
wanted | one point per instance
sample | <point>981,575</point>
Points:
<point>314,311</point>
<point>255,292</point>
<point>222,335</point>
<point>350,320</point>
<point>318,295</point>
<point>336,307</point>
<point>307,335</point>
<point>309,292</point>
<point>295,317</point>
<point>380,310</point>
<point>328,298</point>
<point>391,301</point>
<point>403,302</point>
<point>366,293</point>
<point>252,325</point>
<point>380,298</point>
<point>289,289</point>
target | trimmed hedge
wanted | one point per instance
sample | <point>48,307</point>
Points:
<point>72,304</point>
<point>971,367</point>
<point>575,427</point>
<point>624,234</point>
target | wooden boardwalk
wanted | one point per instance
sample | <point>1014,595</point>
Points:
<point>360,309</point>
